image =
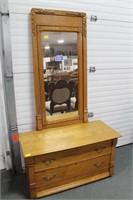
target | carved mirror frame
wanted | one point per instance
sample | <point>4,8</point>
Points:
<point>54,20</point>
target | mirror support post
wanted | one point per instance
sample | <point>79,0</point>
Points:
<point>85,69</point>
<point>39,122</point>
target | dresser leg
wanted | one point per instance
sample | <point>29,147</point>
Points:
<point>33,191</point>
<point>112,160</point>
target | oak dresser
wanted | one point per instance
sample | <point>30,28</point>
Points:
<point>60,158</point>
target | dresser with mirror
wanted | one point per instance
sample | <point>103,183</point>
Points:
<point>65,150</point>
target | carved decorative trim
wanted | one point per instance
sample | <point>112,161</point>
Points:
<point>84,26</point>
<point>57,12</point>
<point>39,122</point>
<point>75,14</point>
<point>35,11</point>
<point>80,30</point>
<point>39,29</point>
<point>86,115</point>
<point>33,23</point>
<point>86,110</point>
<point>112,164</point>
<point>42,11</point>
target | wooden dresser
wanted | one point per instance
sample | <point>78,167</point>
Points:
<point>65,157</point>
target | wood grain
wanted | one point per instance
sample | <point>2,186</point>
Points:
<point>54,20</point>
<point>66,137</point>
<point>62,158</point>
<point>65,157</point>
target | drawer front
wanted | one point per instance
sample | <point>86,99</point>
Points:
<point>76,171</point>
<point>67,157</point>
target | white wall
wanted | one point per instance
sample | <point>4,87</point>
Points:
<point>109,50</point>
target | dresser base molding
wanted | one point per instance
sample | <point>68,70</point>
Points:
<point>72,185</point>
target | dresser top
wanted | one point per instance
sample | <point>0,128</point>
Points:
<point>64,138</point>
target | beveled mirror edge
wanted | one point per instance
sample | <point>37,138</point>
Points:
<point>35,23</point>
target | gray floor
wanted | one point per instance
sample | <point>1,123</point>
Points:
<point>117,187</point>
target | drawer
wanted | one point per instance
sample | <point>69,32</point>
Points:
<point>69,173</point>
<point>67,157</point>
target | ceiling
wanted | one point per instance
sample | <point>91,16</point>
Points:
<point>52,37</point>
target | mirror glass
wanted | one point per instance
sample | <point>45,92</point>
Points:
<point>60,72</point>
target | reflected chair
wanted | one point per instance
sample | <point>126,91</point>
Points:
<point>59,97</point>
<point>72,87</point>
<point>74,98</point>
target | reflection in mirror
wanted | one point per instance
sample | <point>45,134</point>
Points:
<point>60,67</point>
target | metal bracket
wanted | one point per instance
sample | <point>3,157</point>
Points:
<point>93,18</point>
<point>4,7</point>
<point>8,153</point>
<point>4,14</point>
<point>13,127</point>
<point>90,114</point>
<point>92,69</point>
<point>8,76</point>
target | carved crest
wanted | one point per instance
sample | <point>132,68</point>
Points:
<point>57,12</point>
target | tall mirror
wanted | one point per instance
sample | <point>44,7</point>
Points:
<point>60,68</point>
<point>59,55</point>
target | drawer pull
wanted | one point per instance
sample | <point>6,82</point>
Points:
<point>98,164</point>
<point>99,150</point>
<point>49,178</point>
<point>48,162</point>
